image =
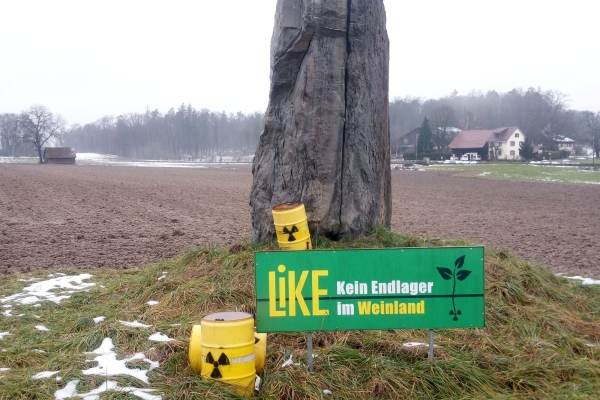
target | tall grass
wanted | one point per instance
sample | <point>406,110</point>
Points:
<point>541,339</point>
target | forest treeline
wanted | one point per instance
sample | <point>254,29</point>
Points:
<point>186,132</point>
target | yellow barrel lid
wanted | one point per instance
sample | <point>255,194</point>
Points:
<point>227,316</point>
<point>287,206</point>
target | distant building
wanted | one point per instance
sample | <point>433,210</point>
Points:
<point>59,155</point>
<point>405,142</point>
<point>565,143</point>
<point>489,144</point>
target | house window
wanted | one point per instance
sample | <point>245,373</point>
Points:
<point>499,152</point>
<point>512,144</point>
<point>516,135</point>
<point>512,152</point>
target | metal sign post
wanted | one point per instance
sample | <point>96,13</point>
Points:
<point>310,352</point>
<point>431,345</point>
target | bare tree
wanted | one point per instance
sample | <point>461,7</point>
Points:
<point>558,120</point>
<point>38,125</point>
<point>592,130</point>
<point>9,134</point>
<point>469,121</point>
<point>442,118</point>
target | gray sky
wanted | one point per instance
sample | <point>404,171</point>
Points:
<point>88,58</point>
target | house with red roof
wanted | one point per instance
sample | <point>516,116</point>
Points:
<point>489,144</point>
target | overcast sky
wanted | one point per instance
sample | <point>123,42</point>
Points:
<point>88,58</point>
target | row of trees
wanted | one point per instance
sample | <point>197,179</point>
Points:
<point>190,133</point>
<point>185,133</point>
<point>544,116</point>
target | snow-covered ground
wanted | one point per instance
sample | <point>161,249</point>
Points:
<point>61,287</point>
<point>108,159</point>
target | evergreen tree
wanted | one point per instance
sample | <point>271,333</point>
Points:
<point>425,139</point>
<point>526,149</point>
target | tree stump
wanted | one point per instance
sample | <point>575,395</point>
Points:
<point>325,140</point>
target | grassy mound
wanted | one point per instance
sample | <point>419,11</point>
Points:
<point>542,338</point>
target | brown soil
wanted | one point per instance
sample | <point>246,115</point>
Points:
<point>123,217</point>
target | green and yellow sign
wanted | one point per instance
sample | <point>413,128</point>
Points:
<point>402,288</point>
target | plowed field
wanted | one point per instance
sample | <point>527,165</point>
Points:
<point>90,216</point>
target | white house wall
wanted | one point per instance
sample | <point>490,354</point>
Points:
<point>568,146</point>
<point>506,148</point>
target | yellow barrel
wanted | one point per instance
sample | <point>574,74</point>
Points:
<point>260,351</point>
<point>291,226</point>
<point>195,352</point>
<point>227,341</point>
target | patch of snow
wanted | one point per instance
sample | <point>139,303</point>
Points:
<point>4,369</point>
<point>590,345</point>
<point>416,344</point>
<point>152,303</point>
<point>99,319</point>
<point>95,157</point>
<point>70,391</point>
<point>327,391</point>
<point>42,328</point>
<point>48,289</point>
<point>108,365</point>
<point>289,362</point>
<point>45,374</point>
<point>160,278</point>
<point>158,337</point>
<point>2,334</point>
<point>584,281</point>
<point>7,313</point>
<point>39,351</point>
<point>134,324</point>
<point>27,299</point>
<point>18,160</point>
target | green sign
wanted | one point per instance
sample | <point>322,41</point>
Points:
<point>402,288</point>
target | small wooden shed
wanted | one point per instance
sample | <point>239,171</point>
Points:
<point>59,155</point>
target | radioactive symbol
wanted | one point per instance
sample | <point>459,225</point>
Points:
<point>291,238</point>
<point>223,360</point>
